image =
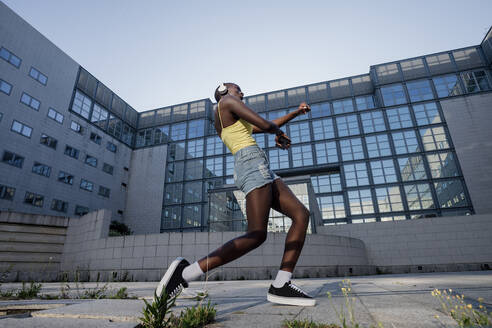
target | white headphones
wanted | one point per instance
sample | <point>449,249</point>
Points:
<point>222,89</point>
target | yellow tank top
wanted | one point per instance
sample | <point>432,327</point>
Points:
<point>237,135</point>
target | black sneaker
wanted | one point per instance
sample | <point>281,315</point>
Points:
<point>173,281</point>
<point>290,294</point>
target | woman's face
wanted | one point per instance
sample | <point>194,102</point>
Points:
<point>235,90</point>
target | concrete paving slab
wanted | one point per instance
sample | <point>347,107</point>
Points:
<point>62,323</point>
<point>401,301</point>
<point>114,310</point>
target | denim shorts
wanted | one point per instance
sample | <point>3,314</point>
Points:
<point>251,169</point>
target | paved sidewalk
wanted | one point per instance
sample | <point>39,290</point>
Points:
<point>394,300</point>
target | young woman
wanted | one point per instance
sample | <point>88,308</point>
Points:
<point>235,122</point>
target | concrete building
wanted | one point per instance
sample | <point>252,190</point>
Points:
<point>407,140</point>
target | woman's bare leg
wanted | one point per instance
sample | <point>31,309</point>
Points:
<point>285,202</point>
<point>258,203</point>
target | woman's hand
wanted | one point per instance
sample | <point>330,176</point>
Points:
<point>282,141</point>
<point>303,108</point>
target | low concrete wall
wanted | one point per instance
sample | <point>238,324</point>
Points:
<point>31,246</point>
<point>459,243</point>
<point>146,257</point>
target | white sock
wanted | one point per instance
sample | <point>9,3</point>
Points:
<point>282,278</point>
<point>192,272</point>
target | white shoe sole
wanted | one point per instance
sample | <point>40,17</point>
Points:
<point>167,275</point>
<point>291,300</point>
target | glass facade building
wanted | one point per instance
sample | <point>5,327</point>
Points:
<point>376,146</point>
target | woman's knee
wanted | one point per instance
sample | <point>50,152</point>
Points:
<point>302,216</point>
<point>257,237</point>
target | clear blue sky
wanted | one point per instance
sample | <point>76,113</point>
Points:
<point>154,53</point>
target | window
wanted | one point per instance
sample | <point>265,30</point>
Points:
<point>65,177</point>
<point>299,132</point>
<point>214,146</point>
<point>351,149</point>
<point>392,218</point>
<point>360,201</point>
<point>178,131</point>
<point>195,148</point>
<point>320,110</point>
<point>276,114</point>
<point>383,171</point>
<point>175,171</point>
<point>72,152</point>
<point>343,106</point>
<point>30,101</point>
<point>372,121</point>
<point>389,199</point>
<point>12,159</point>
<point>214,167</point>
<point>356,174</point>
<point>347,125</point>
<point>442,165</point>
<point>302,155</point>
<point>434,138</point>
<point>193,192</point>
<point>81,210</point>
<point>108,168</point>
<point>426,114</point>
<point>260,140</point>
<point>59,206</point>
<point>33,199</point>
<point>393,95</point>
<point>405,142</point>
<point>115,126</point>
<point>331,207</point>
<point>229,165</point>
<point>86,185</point>
<point>111,147</point>
<point>450,193</point>
<point>21,129</point>
<point>364,220</point>
<point>176,151</point>
<point>76,127</point>
<point>419,196</point>
<point>7,192</point>
<point>196,128</point>
<point>10,57</point>
<point>161,134</point>
<point>38,76</point>
<point>5,87</point>
<point>82,105</point>
<point>378,146</point>
<point>96,138</point>
<point>326,183</point>
<point>279,159</point>
<point>194,169</point>
<point>173,194</point>
<point>326,152</point>
<point>364,102</point>
<point>323,129</point>
<point>48,141</point>
<point>412,168</point>
<point>41,169</point>
<point>103,191</point>
<point>399,118</point>
<point>447,85</point>
<point>99,116</point>
<point>419,90</point>
<point>144,137</point>
<point>90,160</point>
<point>53,114</point>
<point>475,81</point>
